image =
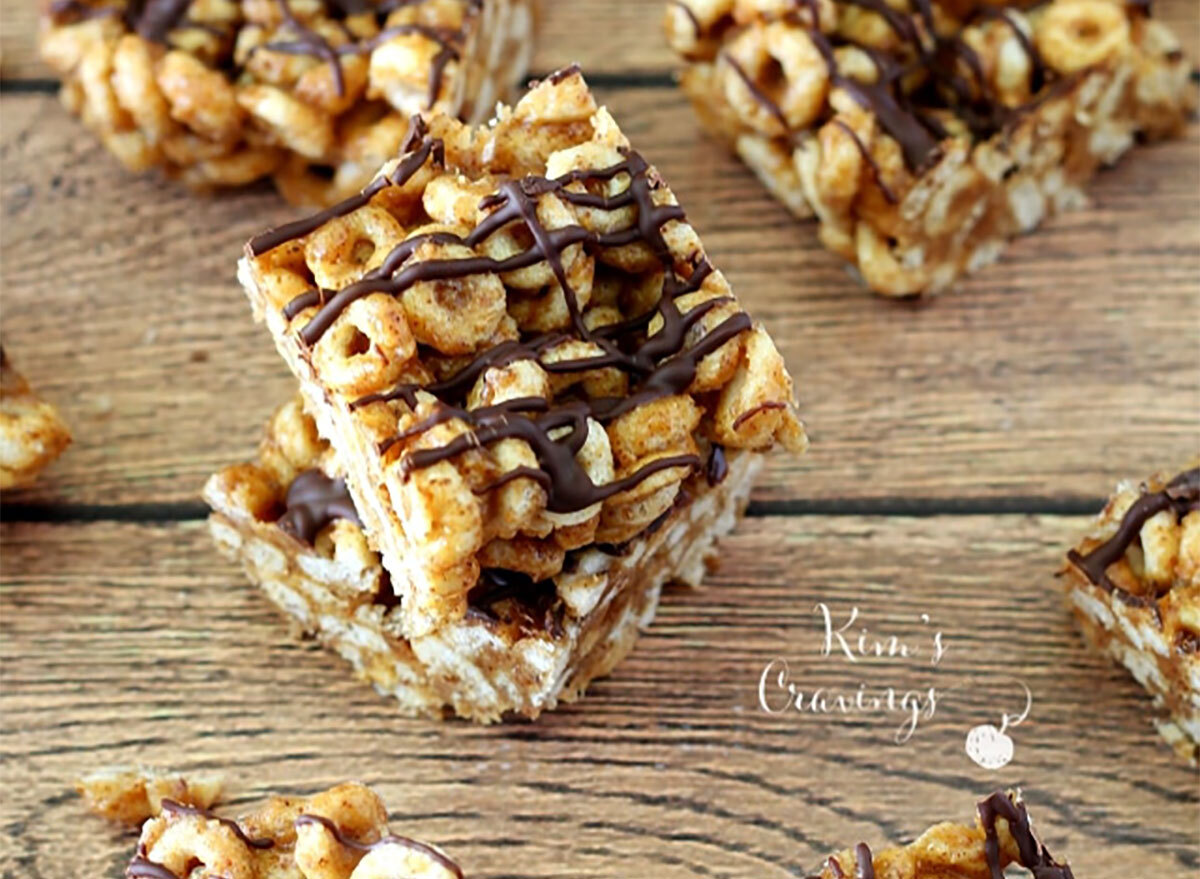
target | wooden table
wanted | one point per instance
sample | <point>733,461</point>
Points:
<point>958,447</point>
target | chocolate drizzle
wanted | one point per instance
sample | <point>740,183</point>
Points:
<point>876,172</point>
<point>141,867</point>
<point>308,42</point>
<point>534,603</point>
<point>1181,494</point>
<point>910,119</point>
<point>413,845</point>
<point>718,466</point>
<point>418,149</point>
<point>313,501</point>
<point>866,865</point>
<point>159,17</point>
<point>658,364</point>
<point>1032,854</point>
<point>176,808</point>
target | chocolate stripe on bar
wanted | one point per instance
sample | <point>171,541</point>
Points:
<point>718,467</point>
<point>417,150</point>
<point>1033,855</point>
<point>909,119</point>
<point>159,17</point>
<point>876,171</point>
<point>313,501</point>
<point>515,202</point>
<point>141,867</point>
<point>1181,494</point>
<point>866,867</point>
<point>174,807</point>
<point>309,42</point>
<point>691,16</point>
<point>535,603</point>
<point>391,839</point>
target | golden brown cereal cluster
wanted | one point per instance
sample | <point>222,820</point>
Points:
<point>1003,835</point>
<point>1134,585</point>
<point>133,794</point>
<point>341,833</point>
<point>313,93</point>
<point>517,346</point>
<point>32,434</point>
<point>923,136</point>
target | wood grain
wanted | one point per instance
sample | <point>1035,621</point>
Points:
<point>1052,375</point>
<point>611,37</point>
<point>126,643</point>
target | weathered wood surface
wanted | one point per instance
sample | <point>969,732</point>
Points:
<point>1069,365</point>
<point>126,643</point>
<point>621,37</point>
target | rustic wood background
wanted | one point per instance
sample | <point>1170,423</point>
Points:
<point>958,447</point>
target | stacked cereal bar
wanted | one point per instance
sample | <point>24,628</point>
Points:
<point>341,833</point>
<point>315,94</point>
<point>524,644</point>
<point>542,398</point>
<point>32,434</point>
<point>1003,835</point>
<point>925,134</point>
<point>1134,585</point>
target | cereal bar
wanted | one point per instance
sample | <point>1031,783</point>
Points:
<point>1003,835</point>
<point>1134,585</point>
<point>517,347</point>
<point>32,434</point>
<point>315,94</point>
<point>131,794</point>
<point>523,644</point>
<point>341,833</point>
<point>925,134</point>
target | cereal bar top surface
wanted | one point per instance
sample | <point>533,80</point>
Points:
<point>527,332</point>
<point>315,94</point>
<point>928,71</point>
<point>1144,551</point>
<point>1003,835</point>
<point>341,833</point>
<point>328,52</point>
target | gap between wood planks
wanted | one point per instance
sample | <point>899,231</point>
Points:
<point>633,80</point>
<point>908,507</point>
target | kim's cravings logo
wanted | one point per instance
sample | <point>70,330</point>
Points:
<point>852,642</point>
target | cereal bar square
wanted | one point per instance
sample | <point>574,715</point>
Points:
<point>1134,586</point>
<point>925,134</point>
<point>315,94</point>
<point>517,346</point>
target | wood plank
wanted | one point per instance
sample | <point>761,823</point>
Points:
<point>622,37</point>
<point>1064,368</point>
<point>127,643</point>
